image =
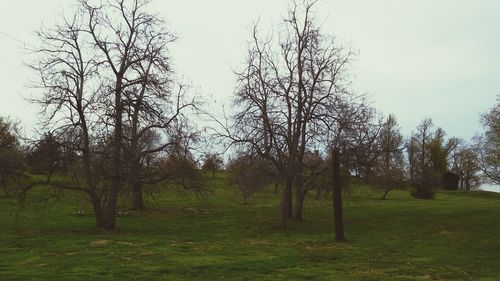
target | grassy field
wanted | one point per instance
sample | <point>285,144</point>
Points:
<point>454,237</point>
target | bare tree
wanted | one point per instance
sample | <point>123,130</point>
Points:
<point>359,142</point>
<point>87,66</point>
<point>153,113</point>
<point>128,37</point>
<point>287,96</point>
<point>179,167</point>
<point>487,145</point>
<point>212,162</point>
<point>428,156</point>
<point>250,174</point>
<point>466,167</point>
<point>389,171</point>
<point>67,68</point>
<point>419,159</point>
<point>47,156</point>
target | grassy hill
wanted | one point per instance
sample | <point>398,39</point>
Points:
<point>454,237</point>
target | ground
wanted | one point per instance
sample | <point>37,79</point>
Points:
<point>454,237</point>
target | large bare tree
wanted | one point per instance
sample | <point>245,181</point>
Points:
<point>288,96</point>
<point>88,65</point>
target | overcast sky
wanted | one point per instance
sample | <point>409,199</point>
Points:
<point>417,59</point>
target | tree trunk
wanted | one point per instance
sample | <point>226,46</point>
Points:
<point>137,197</point>
<point>116,177</point>
<point>89,179</point>
<point>385,194</point>
<point>4,187</point>
<point>136,173</point>
<point>49,175</point>
<point>318,193</point>
<point>299,205</point>
<point>98,213</point>
<point>94,197</point>
<point>110,214</point>
<point>110,209</point>
<point>5,191</point>
<point>327,192</point>
<point>300,195</point>
<point>285,203</point>
<point>289,199</point>
<point>337,197</point>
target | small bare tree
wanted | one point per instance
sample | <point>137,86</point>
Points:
<point>389,172</point>
<point>465,165</point>
<point>179,167</point>
<point>250,174</point>
<point>212,162</point>
<point>419,158</point>
<point>428,156</point>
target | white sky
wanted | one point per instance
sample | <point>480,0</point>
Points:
<point>438,59</point>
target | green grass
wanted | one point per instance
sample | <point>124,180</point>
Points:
<point>454,237</point>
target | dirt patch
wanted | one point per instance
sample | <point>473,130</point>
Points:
<point>125,243</point>
<point>100,243</point>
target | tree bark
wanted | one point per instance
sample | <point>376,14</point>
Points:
<point>289,199</point>
<point>300,195</point>
<point>285,204</point>
<point>98,214</point>
<point>337,197</point>
<point>116,177</point>
<point>137,197</point>
<point>94,197</point>
<point>299,205</point>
